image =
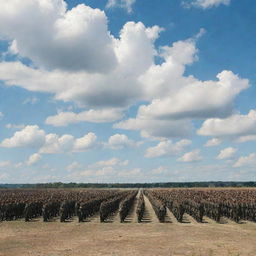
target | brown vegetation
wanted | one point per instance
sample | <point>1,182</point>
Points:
<point>196,231</point>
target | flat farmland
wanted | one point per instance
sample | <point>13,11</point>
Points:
<point>175,222</point>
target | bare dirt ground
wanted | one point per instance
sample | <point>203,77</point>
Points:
<point>18,238</point>
<point>149,238</point>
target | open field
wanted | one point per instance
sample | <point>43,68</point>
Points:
<point>188,236</point>
<point>91,238</point>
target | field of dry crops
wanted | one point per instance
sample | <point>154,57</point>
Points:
<point>124,222</point>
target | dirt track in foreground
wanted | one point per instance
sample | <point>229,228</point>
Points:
<point>18,238</point>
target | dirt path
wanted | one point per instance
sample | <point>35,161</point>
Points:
<point>188,219</point>
<point>132,216</point>
<point>170,217</point>
<point>208,220</point>
<point>149,213</point>
<point>225,220</point>
<point>94,219</point>
<point>113,218</point>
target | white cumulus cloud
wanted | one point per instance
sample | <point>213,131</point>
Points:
<point>57,144</point>
<point>176,99</point>
<point>239,127</point>
<point>167,148</point>
<point>29,136</point>
<point>106,73</point>
<point>193,156</point>
<point>84,143</point>
<point>119,141</point>
<point>54,37</point>
<point>34,159</point>
<point>117,88</point>
<point>67,143</point>
<point>227,153</point>
<point>198,99</point>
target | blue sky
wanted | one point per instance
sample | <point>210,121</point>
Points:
<point>127,91</point>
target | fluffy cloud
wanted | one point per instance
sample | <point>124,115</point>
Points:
<point>167,148</point>
<point>57,38</point>
<point>205,4</point>
<point>67,143</point>
<point>136,40</point>
<point>164,79</point>
<point>30,136</point>
<point>94,116</point>
<point>193,156</point>
<point>126,4</point>
<point>244,161</point>
<point>198,99</point>
<point>34,159</point>
<point>213,142</point>
<point>237,126</point>
<point>227,153</point>
<point>1,115</point>
<point>164,84</point>
<point>84,143</point>
<point>117,88</point>
<point>176,99</point>
<point>112,90</point>
<point>119,141</point>
<point>112,72</point>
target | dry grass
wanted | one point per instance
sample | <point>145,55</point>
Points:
<point>18,238</point>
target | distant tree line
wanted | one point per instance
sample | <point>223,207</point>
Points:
<point>135,185</point>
